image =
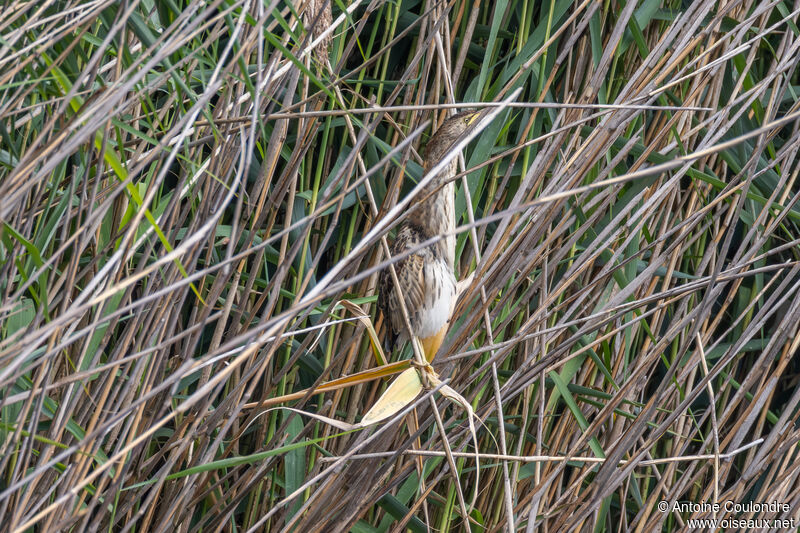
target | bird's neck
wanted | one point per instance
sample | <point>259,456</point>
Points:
<point>435,215</point>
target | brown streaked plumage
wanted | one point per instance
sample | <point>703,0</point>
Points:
<point>427,278</point>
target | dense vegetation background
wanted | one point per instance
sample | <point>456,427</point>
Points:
<point>189,193</point>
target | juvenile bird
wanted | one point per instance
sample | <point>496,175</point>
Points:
<point>427,277</point>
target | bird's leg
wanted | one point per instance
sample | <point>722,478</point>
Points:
<point>423,367</point>
<point>430,345</point>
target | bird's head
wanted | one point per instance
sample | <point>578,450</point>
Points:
<point>447,134</point>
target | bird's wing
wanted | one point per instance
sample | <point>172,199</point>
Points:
<point>411,275</point>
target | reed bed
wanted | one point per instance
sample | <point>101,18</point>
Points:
<point>193,196</point>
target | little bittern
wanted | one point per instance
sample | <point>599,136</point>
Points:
<point>427,278</point>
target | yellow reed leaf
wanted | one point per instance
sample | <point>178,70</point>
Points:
<point>403,390</point>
